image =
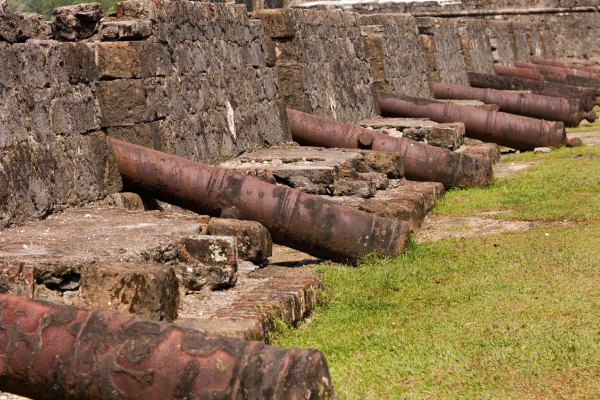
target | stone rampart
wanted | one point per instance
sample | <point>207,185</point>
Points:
<point>520,41</point>
<point>397,61</point>
<point>502,50</point>
<point>321,62</point>
<point>440,39</point>
<point>476,46</point>
<point>187,78</point>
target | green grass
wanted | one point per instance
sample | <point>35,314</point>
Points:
<point>505,316</point>
<point>565,184</point>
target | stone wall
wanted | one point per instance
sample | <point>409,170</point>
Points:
<point>536,46</point>
<point>397,61</point>
<point>502,50</point>
<point>520,41</point>
<point>187,78</point>
<point>441,42</point>
<point>211,94</point>
<point>476,46</point>
<point>52,151</point>
<point>321,62</point>
<point>548,40</point>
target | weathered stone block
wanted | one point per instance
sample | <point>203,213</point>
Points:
<point>253,240</point>
<point>126,59</point>
<point>74,111</point>
<point>450,136</point>
<point>208,262</point>
<point>76,22</point>
<point>277,23</point>
<point>147,135</point>
<point>125,29</point>
<point>80,64</point>
<point>145,289</point>
<point>124,102</point>
<point>401,209</point>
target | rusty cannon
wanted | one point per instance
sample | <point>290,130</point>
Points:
<point>295,219</point>
<point>562,64</point>
<point>524,73</point>
<point>488,126</point>
<point>569,111</point>
<point>586,96</point>
<point>422,162</point>
<point>553,69</point>
<point>564,76</point>
<point>50,351</point>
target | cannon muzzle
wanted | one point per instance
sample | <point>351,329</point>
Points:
<point>422,162</point>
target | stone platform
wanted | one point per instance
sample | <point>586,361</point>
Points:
<point>449,136</point>
<point>157,265</point>
<point>405,200</point>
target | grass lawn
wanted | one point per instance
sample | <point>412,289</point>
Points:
<point>511,315</point>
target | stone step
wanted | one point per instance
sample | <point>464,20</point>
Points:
<point>159,266</point>
<point>476,148</point>
<point>405,200</point>
<point>449,136</point>
<point>316,170</point>
<point>260,298</point>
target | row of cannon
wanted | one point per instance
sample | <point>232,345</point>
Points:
<point>50,351</point>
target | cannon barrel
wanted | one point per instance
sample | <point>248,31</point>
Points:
<point>295,219</point>
<point>50,351</point>
<point>562,64</point>
<point>569,111</point>
<point>553,69</point>
<point>586,96</point>
<point>524,73</point>
<point>488,126</point>
<point>564,76</point>
<point>422,162</point>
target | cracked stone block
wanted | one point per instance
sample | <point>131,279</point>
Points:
<point>253,239</point>
<point>145,289</point>
<point>449,136</point>
<point>210,262</point>
<point>77,22</point>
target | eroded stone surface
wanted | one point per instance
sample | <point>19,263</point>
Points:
<point>404,200</point>
<point>58,247</point>
<point>321,63</point>
<point>449,136</point>
<point>253,239</point>
<point>149,290</point>
<point>440,39</point>
<point>397,61</point>
<point>315,170</point>
<point>248,312</point>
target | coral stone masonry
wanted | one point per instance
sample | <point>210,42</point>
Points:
<point>321,62</point>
